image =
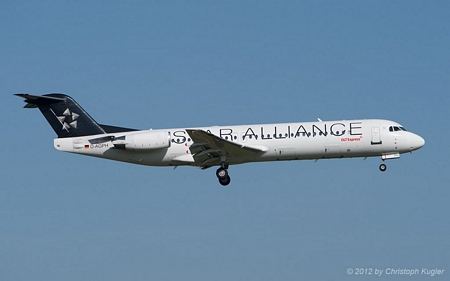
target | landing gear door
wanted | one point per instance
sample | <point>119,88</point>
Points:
<point>376,135</point>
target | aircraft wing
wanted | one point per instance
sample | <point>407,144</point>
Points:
<point>208,149</point>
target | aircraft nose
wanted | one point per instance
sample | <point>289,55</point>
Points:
<point>417,142</point>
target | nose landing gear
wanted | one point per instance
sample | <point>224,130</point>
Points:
<point>387,157</point>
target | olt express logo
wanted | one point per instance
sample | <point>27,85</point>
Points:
<point>351,139</point>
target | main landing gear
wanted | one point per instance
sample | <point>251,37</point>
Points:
<point>383,167</point>
<point>222,175</point>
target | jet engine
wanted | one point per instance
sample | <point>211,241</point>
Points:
<point>147,140</point>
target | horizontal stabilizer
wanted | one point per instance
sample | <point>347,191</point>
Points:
<point>33,101</point>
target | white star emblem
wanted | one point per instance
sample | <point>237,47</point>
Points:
<point>69,115</point>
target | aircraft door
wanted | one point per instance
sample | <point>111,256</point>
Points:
<point>333,150</point>
<point>286,153</point>
<point>376,139</point>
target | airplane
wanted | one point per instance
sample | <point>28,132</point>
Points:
<point>221,146</point>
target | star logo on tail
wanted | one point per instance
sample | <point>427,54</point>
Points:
<point>68,120</point>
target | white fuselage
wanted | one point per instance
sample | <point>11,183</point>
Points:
<point>285,141</point>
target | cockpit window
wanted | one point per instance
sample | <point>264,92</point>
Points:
<point>396,128</point>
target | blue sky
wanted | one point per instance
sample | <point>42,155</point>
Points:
<point>165,64</point>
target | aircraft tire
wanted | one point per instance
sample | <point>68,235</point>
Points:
<point>222,173</point>
<point>383,167</point>
<point>225,181</point>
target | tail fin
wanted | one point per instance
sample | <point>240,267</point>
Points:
<point>66,117</point>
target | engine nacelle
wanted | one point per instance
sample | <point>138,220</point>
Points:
<point>144,140</point>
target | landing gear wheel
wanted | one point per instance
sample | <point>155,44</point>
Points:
<point>222,173</point>
<point>225,181</point>
<point>383,167</point>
